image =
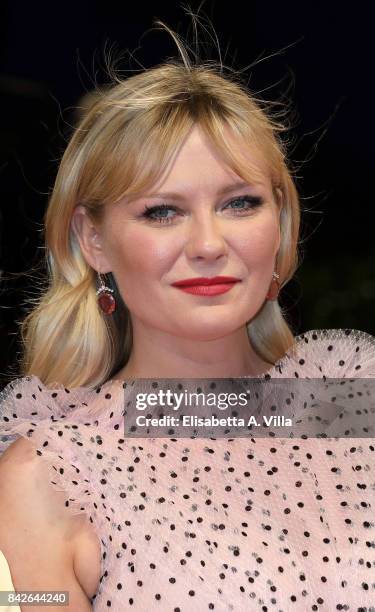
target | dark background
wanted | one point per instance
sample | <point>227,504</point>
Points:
<point>316,53</point>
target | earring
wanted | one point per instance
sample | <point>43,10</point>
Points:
<point>106,300</point>
<point>273,291</point>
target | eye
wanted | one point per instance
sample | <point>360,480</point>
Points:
<point>159,213</point>
<point>245,203</point>
<point>152,213</point>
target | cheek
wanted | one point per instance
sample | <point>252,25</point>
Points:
<point>260,243</point>
<point>141,252</point>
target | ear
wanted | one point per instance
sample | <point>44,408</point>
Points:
<point>90,241</point>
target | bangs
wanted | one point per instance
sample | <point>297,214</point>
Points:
<point>235,136</point>
<point>145,152</point>
<point>138,153</point>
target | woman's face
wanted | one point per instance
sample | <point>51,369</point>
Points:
<point>206,228</point>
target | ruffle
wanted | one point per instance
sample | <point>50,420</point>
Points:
<point>27,409</point>
<point>66,429</point>
<point>333,353</point>
<point>330,374</point>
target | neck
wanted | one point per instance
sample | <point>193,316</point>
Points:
<point>156,354</point>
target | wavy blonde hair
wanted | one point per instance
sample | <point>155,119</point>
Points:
<point>121,146</point>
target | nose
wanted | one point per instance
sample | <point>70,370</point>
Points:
<point>206,238</point>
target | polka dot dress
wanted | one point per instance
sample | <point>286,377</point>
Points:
<point>188,525</point>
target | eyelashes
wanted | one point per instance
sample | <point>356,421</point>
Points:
<point>151,212</point>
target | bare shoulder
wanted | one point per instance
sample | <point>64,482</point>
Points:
<point>25,487</point>
<point>45,546</point>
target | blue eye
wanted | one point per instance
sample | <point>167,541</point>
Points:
<point>150,211</point>
<point>252,201</point>
<point>159,213</point>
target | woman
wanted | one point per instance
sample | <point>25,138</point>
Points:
<point>175,177</point>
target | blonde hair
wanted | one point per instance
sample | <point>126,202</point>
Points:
<point>122,145</point>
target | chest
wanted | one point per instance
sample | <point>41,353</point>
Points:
<point>228,524</point>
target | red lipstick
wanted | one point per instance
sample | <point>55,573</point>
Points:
<point>207,286</point>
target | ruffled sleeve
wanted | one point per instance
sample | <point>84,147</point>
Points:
<point>333,353</point>
<point>330,376</point>
<point>29,409</point>
<point>71,430</point>
<point>64,426</point>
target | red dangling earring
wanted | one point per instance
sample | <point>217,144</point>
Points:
<point>106,300</point>
<point>274,289</point>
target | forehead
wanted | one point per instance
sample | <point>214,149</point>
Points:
<point>199,162</point>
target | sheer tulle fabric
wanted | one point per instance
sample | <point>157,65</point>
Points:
<point>213,524</point>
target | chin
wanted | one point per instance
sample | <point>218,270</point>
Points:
<point>205,331</point>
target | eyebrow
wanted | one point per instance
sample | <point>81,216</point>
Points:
<point>179,196</point>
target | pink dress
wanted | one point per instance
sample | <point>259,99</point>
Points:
<point>242,524</point>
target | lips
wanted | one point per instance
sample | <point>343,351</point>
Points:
<point>203,281</point>
<point>207,287</point>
